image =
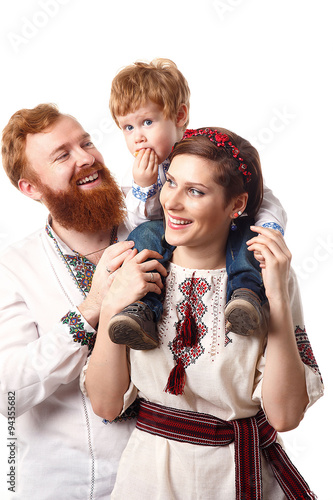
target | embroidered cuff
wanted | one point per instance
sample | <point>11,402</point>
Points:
<point>143,193</point>
<point>274,225</point>
<point>76,325</point>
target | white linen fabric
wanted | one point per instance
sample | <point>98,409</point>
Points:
<point>224,374</point>
<point>62,449</point>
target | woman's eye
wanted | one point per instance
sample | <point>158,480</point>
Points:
<point>147,122</point>
<point>196,192</point>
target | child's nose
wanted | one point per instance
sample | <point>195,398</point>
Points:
<point>139,136</point>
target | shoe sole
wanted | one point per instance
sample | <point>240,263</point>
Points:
<point>241,318</point>
<point>126,331</point>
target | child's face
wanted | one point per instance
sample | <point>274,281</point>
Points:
<point>148,128</point>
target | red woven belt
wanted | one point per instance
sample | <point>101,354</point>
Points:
<point>249,434</point>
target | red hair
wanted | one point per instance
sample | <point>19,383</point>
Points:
<point>22,123</point>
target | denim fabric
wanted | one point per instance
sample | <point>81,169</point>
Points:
<point>242,268</point>
<point>151,235</point>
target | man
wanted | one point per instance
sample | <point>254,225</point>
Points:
<point>51,288</point>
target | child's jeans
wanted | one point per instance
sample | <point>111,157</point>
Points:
<point>242,268</point>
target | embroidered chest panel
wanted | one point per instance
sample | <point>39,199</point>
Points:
<point>83,271</point>
<point>193,291</point>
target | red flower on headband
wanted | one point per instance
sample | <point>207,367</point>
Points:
<point>220,140</point>
<point>221,137</point>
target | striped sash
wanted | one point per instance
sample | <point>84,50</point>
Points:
<point>248,434</point>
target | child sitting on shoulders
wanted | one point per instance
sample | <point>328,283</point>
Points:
<point>150,104</point>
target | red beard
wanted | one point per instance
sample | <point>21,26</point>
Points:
<point>97,209</point>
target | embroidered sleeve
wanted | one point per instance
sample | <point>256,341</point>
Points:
<point>305,350</point>
<point>274,225</point>
<point>271,212</point>
<point>143,193</point>
<point>76,328</point>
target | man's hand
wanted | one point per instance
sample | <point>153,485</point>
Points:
<point>145,168</point>
<point>112,258</point>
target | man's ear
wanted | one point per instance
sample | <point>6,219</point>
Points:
<point>240,203</point>
<point>29,189</point>
<point>182,115</point>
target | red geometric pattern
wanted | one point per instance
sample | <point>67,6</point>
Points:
<point>305,349</point>
<point>193,290</point>
<point>249,436</point>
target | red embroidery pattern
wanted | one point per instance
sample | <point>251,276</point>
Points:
<point>193,290</point>
<point>305,349</point>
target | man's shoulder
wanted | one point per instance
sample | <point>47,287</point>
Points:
<point>23,248</point>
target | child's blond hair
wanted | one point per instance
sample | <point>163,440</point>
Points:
<point>159,81</point>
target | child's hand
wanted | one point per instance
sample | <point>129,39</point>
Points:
<point>145,168</point>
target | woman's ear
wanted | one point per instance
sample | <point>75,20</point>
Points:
<point>29,189</point>
<point>240,203</point>
<point>182,115</point>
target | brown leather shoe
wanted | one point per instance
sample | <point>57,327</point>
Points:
<point>244,313</point>
<point>135,327</point>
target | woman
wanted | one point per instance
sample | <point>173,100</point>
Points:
<point>207,394</point>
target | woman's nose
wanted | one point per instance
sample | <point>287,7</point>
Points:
<point>173,200</point>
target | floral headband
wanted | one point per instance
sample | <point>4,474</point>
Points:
<point>221,140</point>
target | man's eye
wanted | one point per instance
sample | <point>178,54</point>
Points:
<point>88,144</point>
<point>129,128</point>
<point>62,156</point>
<point>147,122</point>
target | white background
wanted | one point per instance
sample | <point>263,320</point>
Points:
<point>259,67</point>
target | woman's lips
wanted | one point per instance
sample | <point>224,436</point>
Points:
<point>178,222</point>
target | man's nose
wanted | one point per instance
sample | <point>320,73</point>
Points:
<point>83,158</point>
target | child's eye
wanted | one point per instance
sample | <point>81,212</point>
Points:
<point>170,182</point>
<point>147,122</point>
<point>129,128</point>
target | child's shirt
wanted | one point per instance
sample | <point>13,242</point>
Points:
<point>145,202</point>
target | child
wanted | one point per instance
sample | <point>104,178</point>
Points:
<point>150,104</point>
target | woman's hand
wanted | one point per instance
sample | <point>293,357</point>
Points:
<point>112,258</point>
<point>133,280</point>
<point>272,253</point>
<point>284,389</point>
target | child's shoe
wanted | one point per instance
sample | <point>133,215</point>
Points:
<point>243,312</point>
<point>135,327</point>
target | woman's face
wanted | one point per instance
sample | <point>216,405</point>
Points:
<point>194,204</point>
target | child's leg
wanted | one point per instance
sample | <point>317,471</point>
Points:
<point>245,289</point>
<point>135,326</point>
<point>151,235</point>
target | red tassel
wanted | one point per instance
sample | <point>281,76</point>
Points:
<point>188,330</point>
<point>176,381</point>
